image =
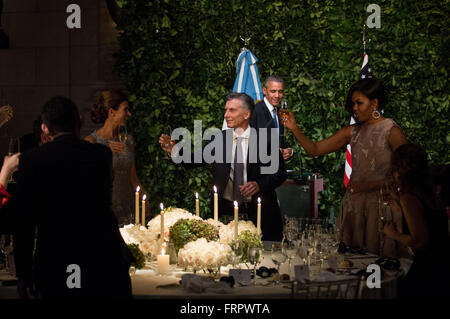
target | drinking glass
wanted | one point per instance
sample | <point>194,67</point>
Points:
<point>166,155</point>
<point>6,246</point>
<point>254,257</point>
<point>237,250</point>
<point>13,148</point>
<point>123,134</point>
<point>278,257</point>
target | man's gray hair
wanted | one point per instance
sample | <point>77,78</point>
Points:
<point>247,102</point>
<point>273,78</point>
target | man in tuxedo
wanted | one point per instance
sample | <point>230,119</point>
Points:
<point>238,172</point>
<point>64,194</point>
<point>265,115</point>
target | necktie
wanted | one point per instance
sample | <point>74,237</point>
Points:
<point>274,115</point>
<point>238,173</point>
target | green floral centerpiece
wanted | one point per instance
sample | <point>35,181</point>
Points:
<point>139,258</point>
<point>187,230</point>
<point>245,240</point>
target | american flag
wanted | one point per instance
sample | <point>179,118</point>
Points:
<point>365,73</point>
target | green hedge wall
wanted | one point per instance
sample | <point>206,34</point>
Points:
<point>177,60</point>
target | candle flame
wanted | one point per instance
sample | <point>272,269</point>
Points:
<point>162,206</point>
<point>196,195</point>
<point>163,251</point>
<point>259,200</point>
<point>144,197</point>
<point>137,189</point>
<point>215,189</point>
<point>235,204</point>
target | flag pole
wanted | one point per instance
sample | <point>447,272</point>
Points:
<point>364,38</point>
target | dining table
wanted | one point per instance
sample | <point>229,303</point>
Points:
<point>148,283</point>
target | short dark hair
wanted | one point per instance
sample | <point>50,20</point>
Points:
<point>60,114</point>
<point>273,78</point>
<point>247,102</point>
<point>373,88</point>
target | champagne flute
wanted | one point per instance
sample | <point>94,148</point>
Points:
<point>283,106</point>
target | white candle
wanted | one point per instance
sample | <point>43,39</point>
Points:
<point>163,262</point>
<point>197,205</point>
<point>258,217</point>
<point>143,209</point>
<point>236,220</point>
<point>136,222</point>
<point>162,223</point>
<point>216,204</point>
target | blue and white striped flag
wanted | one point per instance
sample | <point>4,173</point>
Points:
<point>247,80</point>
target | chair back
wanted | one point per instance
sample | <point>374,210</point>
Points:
<point>339,289</point>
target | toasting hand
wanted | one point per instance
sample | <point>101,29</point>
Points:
<point>287,118</point>
<point>166,143</point>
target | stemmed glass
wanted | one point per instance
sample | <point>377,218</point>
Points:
<point>278,257</point>
<point>122,133</point>
<point>13,141</point>
<point>254,257</point>
<point>289,249</point>
<point>6,246</point>
<point>237,250</point>
<point>166,155</point>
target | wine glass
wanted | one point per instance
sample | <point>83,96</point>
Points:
<point>122,133</point>
<point>289,249</point>
<point>254,257</point>
<point>278,257</point>
<point>13,148</point>
<point>166,155</point>
<point>237,250</point>
<point>6,246</point>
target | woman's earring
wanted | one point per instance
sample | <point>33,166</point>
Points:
<point>375,114</point>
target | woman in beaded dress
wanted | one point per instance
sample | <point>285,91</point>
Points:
<point>112,110</point>
<point>372,138</point>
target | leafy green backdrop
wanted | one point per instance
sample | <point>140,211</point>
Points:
<point>177,60</point>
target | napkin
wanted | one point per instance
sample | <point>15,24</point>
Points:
<point>199,284</point>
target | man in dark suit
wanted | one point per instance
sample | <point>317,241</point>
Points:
<point>64,191</point>
<point>244,180</point>
<point>265,115</point>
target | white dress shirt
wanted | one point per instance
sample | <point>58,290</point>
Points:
<point>228,193</point>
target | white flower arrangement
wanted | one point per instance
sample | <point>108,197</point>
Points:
<point>201,254</point>
<point>148,238</point>
<point>137,234</point>
<point>226,232</point>
<point>171,216</point>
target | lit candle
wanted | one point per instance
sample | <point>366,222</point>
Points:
<point>236,219</point>
<point>197,205</point>
<point>258,217</point>
<point>136,222</point>
<point>162,223</point>
<point>163,262</point>
<point>216,204</point>
<point>143,209</point>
